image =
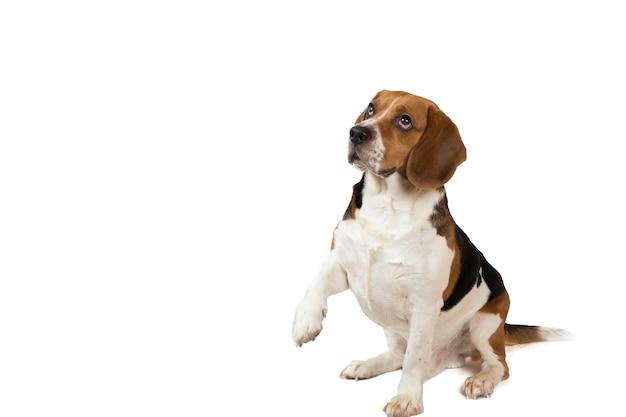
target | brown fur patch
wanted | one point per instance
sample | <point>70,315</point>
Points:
<point>499,306</point>
<point>356,200</point>
<point>351,210</point>
<point>455,270</point>
<point>441,218</point>
<point>442,221</point>
<point>516,334</point>
<point>455,267</point>
<point>332,242</point>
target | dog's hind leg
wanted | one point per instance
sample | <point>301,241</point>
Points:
<point>486,329</point>
<point>389,361</point>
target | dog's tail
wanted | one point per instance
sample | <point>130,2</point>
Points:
<point>517,334</point>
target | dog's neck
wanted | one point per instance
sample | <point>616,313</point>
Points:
<point>396,193</point>
<point>396,186</point>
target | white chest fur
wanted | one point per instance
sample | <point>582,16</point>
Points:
<point>394,258</point>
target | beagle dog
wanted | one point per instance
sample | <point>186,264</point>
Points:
<point>411,268</point>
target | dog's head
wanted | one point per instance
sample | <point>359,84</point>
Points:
<point>407,134</point>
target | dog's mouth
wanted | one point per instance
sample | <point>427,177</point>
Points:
<point>353,157</point>
<point>355,160</point>
<point>387,172</point>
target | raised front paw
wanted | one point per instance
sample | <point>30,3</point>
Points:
<point>307,324</point>
<point>403,406</point>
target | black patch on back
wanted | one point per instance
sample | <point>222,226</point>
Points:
<point>357,198</point>
<point>474,271</point>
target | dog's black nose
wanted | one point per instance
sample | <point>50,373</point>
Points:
<point>360,134</point>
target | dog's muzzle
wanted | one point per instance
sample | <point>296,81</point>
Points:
<point>358,135</point>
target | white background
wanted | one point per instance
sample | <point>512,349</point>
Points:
<point>171,173</point>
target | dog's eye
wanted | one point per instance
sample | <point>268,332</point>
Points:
<point>405,122</point>
<point>370,111</point>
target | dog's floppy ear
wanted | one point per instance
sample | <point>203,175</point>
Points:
<point>433,160</point>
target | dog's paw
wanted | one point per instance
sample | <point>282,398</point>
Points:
<point>479,386</point>
<point>403,406</point>
<point>356,370</point>
<point>307,324</point>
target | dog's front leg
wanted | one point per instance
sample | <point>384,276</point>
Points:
<point>307,323</point>
<point>415,365</point>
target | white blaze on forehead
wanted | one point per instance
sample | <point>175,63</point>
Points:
<point>377,152</point>
<point>372,121</point>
